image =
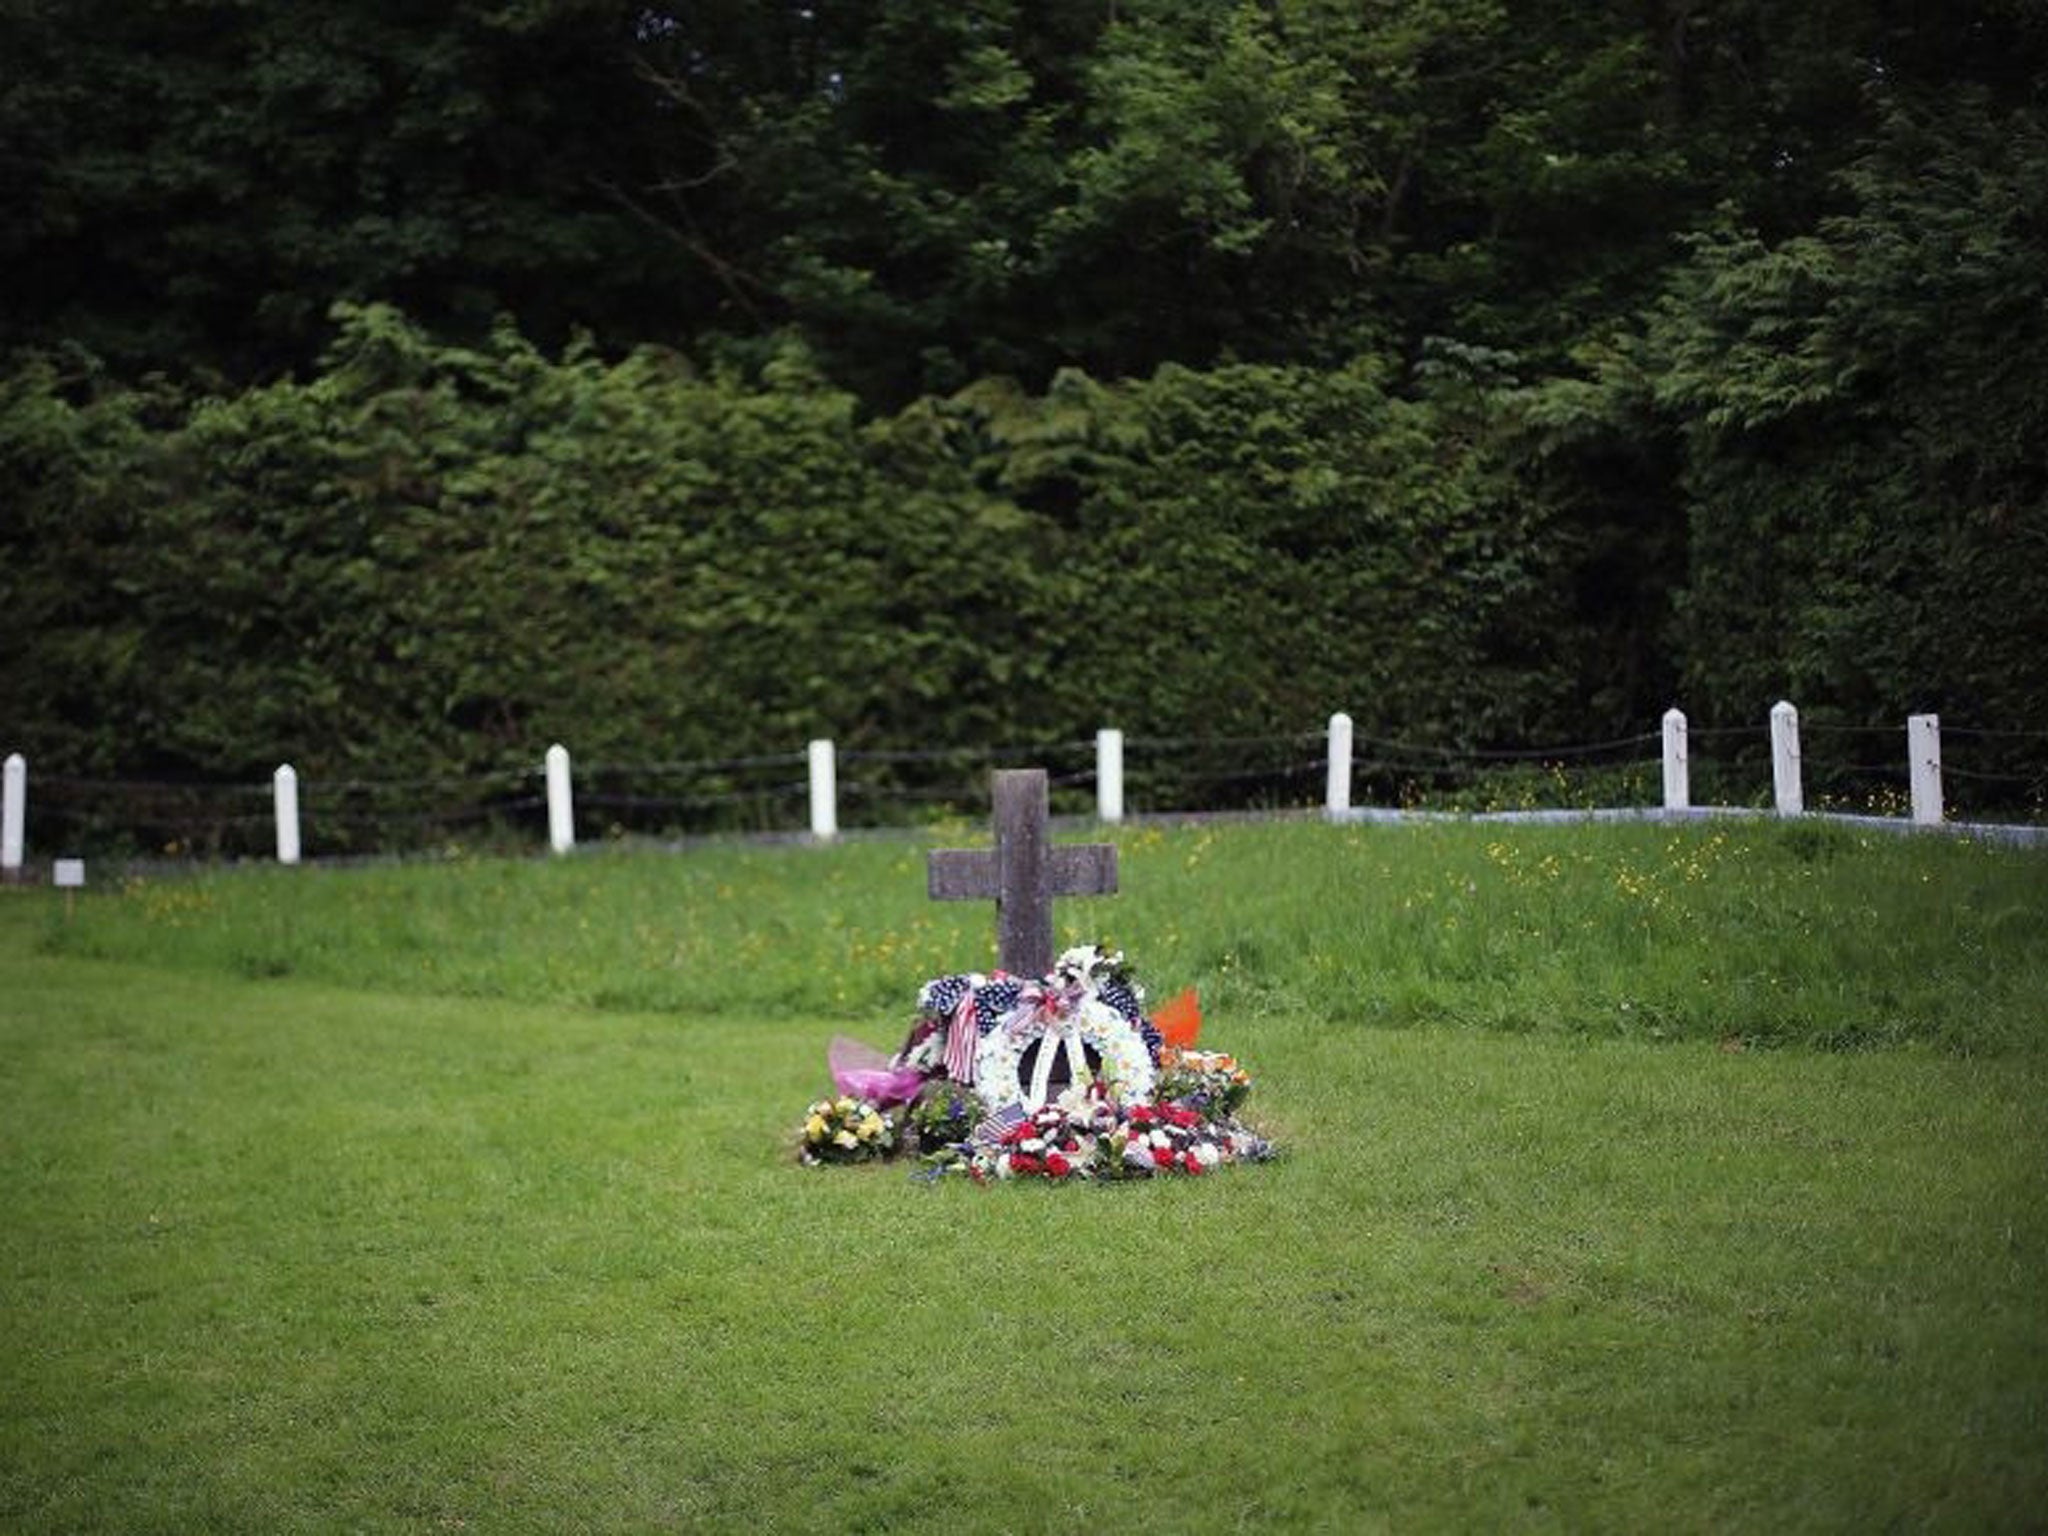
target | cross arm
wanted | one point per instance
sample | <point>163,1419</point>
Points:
<point>1083,869</point>
<point>960,874</point>
<point>970,874</point>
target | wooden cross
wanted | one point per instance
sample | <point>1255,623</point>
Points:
<point>1023,872</point>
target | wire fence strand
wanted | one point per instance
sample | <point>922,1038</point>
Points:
<point>1224,773</point>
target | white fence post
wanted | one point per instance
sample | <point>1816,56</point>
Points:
<point>13,814</point>
<point>284,793</point>
<point>824,790</point>
<point>1785,759</point>
<point>1677,765</point>
<point>1337,799</point>
<point>1109,776</point>
<point>1923,755</point>
<point>561,801</point>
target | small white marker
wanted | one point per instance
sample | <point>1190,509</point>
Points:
<point>68,875</point>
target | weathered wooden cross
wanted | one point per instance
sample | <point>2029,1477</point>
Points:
<point>1023,872</point>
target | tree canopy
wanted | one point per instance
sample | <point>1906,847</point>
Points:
<point>931,191</point>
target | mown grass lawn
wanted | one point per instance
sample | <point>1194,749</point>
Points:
<point>300,1232</point>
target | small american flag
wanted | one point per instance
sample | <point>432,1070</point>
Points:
<point>998,1124</point>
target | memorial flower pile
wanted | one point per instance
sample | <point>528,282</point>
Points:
<point>1065,1077</point>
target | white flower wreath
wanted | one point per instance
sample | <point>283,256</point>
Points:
<point>1126,1065</point>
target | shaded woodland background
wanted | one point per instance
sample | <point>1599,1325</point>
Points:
<point>387,384</point>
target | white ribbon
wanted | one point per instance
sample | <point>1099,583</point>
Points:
<point>1058,1028</point>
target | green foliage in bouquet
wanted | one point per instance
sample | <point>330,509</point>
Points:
<point>1209,1082</point>
<point>944,1114</point>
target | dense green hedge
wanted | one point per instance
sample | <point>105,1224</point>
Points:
<point>437,560</point>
